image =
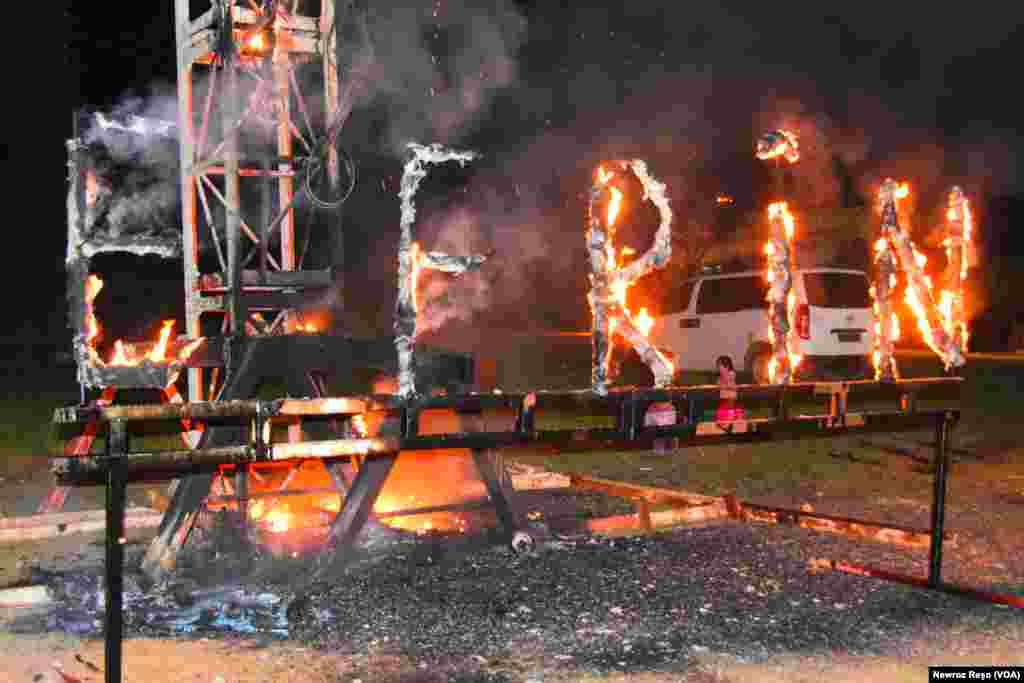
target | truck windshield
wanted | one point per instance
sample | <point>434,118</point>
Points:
<point>837,290</point>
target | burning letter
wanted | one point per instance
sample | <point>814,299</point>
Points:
<point>959,227</point>
<point>609,281</point>
<point>919,295</point>
<point>411,259</point>
<point>779,250</point>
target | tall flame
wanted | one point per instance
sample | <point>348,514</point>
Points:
<point>614,205</point>
<point>158,353</point>
<point>123,355</point>
<point>93,285</point>
<point>778,274</point>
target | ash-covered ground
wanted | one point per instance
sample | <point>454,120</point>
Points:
<point>574,602</point>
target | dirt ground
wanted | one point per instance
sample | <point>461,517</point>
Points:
<point>985,501</point>
<point>251,661</point>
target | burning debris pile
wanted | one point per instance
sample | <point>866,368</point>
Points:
<point>609,279</point>
<point>411,258</point>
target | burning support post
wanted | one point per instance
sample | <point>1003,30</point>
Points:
<point>919,295</point>
<point>781,300</point>
<point>959,226</point>
<point>411,259</point>
<point>609,281</point>
<point>887,323</point>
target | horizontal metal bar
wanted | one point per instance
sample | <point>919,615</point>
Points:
<point>212,409</point>
<point>473,402</point>
<point>922,582</point>
<point>89,469</point>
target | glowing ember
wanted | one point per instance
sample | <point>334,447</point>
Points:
<point>329,503</point>
<point>422,523</point>
<point>610,279</point>
<point>278,520</point>
<point>724,199</point>
<point>359,426</point>
<point>256,42</point>
<point>778,144</point>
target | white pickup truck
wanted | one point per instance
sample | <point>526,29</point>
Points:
<point>727,314</point>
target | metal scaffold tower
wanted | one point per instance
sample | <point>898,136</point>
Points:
<point>265,79</point>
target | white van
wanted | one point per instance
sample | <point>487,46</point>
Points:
<point>727,314</point>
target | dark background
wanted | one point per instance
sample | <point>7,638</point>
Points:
<point>874,89</point>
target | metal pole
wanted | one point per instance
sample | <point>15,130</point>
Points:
<point>232,196</point>
<point>113,630</point>
<point>189,225</point>
<point>942,425</point>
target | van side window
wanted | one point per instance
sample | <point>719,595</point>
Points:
<point>678,298</point>
<point>732,294</point>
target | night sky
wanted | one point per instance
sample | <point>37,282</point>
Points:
<point>545,91</point>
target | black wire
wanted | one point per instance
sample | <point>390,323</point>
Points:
<point>317,166</point>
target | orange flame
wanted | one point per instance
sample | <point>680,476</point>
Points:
<point>644,322</point>
<point>157,353</point>
<point>723,199</point>
<point>359,425</point>
<point>777,211</point>
<point>93,285</point>
<point>614,205</point>
<point>781,209</point>
<point>120,357</point>
<point>415,256</point>
<point>278,519</point>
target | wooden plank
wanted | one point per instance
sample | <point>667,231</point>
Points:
<point>38,527</point>
<point>658,520</point>
<point>651,494</point>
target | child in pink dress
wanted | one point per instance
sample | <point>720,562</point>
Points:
<point>727,408</point>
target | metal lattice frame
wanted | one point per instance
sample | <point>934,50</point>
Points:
<point>214,171</point>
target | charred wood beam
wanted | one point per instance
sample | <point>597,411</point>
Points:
<point>894,534</point>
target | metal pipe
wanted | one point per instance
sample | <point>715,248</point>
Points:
<point>985,596</point>
<point>232,198</point>
<point>113,630</point>
<point>942,426</point>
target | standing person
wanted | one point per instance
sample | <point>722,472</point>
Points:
<point>727,409</point>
